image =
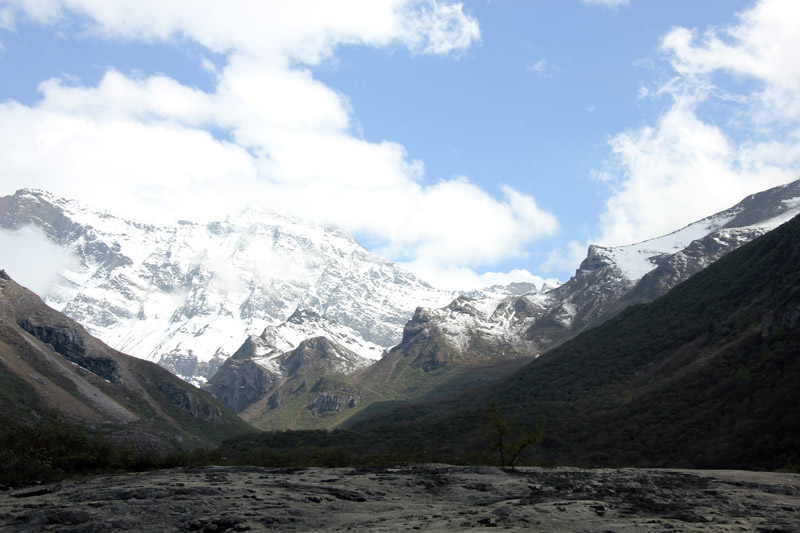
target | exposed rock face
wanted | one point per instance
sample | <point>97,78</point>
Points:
<point>189,366</point>
<point>240,383</point>
<point>185,295</point>
<point>607,281</point>
<point>333,397</point>
<point>679,267</point>
<point>195,405</point>
<point>68,342</point>
<point>52,364</point>
<point>425,343</point>
<point>471,329</point>
<point>248,378</point>
<point>322,354</point>
<point>434,498</point>
<point>611,279</point>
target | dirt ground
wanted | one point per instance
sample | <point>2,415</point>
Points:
<point>410,497</point>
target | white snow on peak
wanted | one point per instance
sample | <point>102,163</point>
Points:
<point>194,292</point>
<point>304,325</point>
<point>489,315</point>
<point>636,260</point>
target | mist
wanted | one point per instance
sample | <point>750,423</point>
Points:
<point>32,260</point>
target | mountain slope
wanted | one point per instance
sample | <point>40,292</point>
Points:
<point>329,384</point>
<point>185,295</point>
<point>705,376</point>
<point>609,280</point>
<point>301,388</point>
<point>491,332</point>
<point>488,333</point>
<point>50,365</point>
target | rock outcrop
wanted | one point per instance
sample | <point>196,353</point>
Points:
<point>51,366</point>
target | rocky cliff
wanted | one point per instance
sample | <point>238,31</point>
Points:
<point>51,366</point>
<point>185,295</point>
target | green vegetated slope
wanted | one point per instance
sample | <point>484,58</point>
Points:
<point>315,396</point>
<point>51,368</point>
<point>426,370</point>
<point>705,376</point>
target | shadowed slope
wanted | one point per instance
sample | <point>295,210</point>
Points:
<point>50,366</point>
<point>705,376</point>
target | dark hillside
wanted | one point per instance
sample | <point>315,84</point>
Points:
<point>705,376</point>
<point>51,368</point>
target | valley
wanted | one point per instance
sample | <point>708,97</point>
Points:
<point>191,294</point>
<point>395,265</point>
<point>701,375</point>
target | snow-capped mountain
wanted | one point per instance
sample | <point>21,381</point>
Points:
<point>302,325</point>
<point>497,315</point>
<point>185,295</point>
<point>309,380</point>
<point>607,281</point>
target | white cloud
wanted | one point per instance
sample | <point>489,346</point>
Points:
<point>143,144</point>
<point>762,46</point>
<point>303,30</point>
<point>565,259</point>
<point>32,260</point>
<point>6,18</point>
<point>543,67</point>
<point>42,11</point>
<point>439,28</point>
<point>723,137</point>
<point>462,278</point>
<point>608,3</point>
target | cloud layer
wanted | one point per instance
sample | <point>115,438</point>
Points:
<point>32,260</point>
<point>268,133</point>
<point>688,165</point>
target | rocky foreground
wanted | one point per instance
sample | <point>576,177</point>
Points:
<point>426,497</point>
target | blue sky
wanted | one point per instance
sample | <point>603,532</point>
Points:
<point>476,142</point>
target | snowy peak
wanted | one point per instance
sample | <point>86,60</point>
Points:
<point>322,355</point>
<point>612,278</point>
<point>317,368</point>
<point>756,214</point>
<point>185,295</point>
<point>302,325</point>
<point>469,324</point>
<point>609,279</point>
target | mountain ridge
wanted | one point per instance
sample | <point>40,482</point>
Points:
<point>203,283</point>
<point>186,295</point>
<point>51,367</point>
<point>702,377</point>
<point>443,348</point>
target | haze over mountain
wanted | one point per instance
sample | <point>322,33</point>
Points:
<point>50,367</point>
<point>490,333</point>
<point>703,377</point>
<point>186,295</point>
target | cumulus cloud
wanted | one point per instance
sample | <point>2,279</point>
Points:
<point>302,30</point>
<point>269,132</point>
<point>691,162</point>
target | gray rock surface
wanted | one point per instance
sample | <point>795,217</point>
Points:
<point>425,497</point>
<point>184,295</point>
